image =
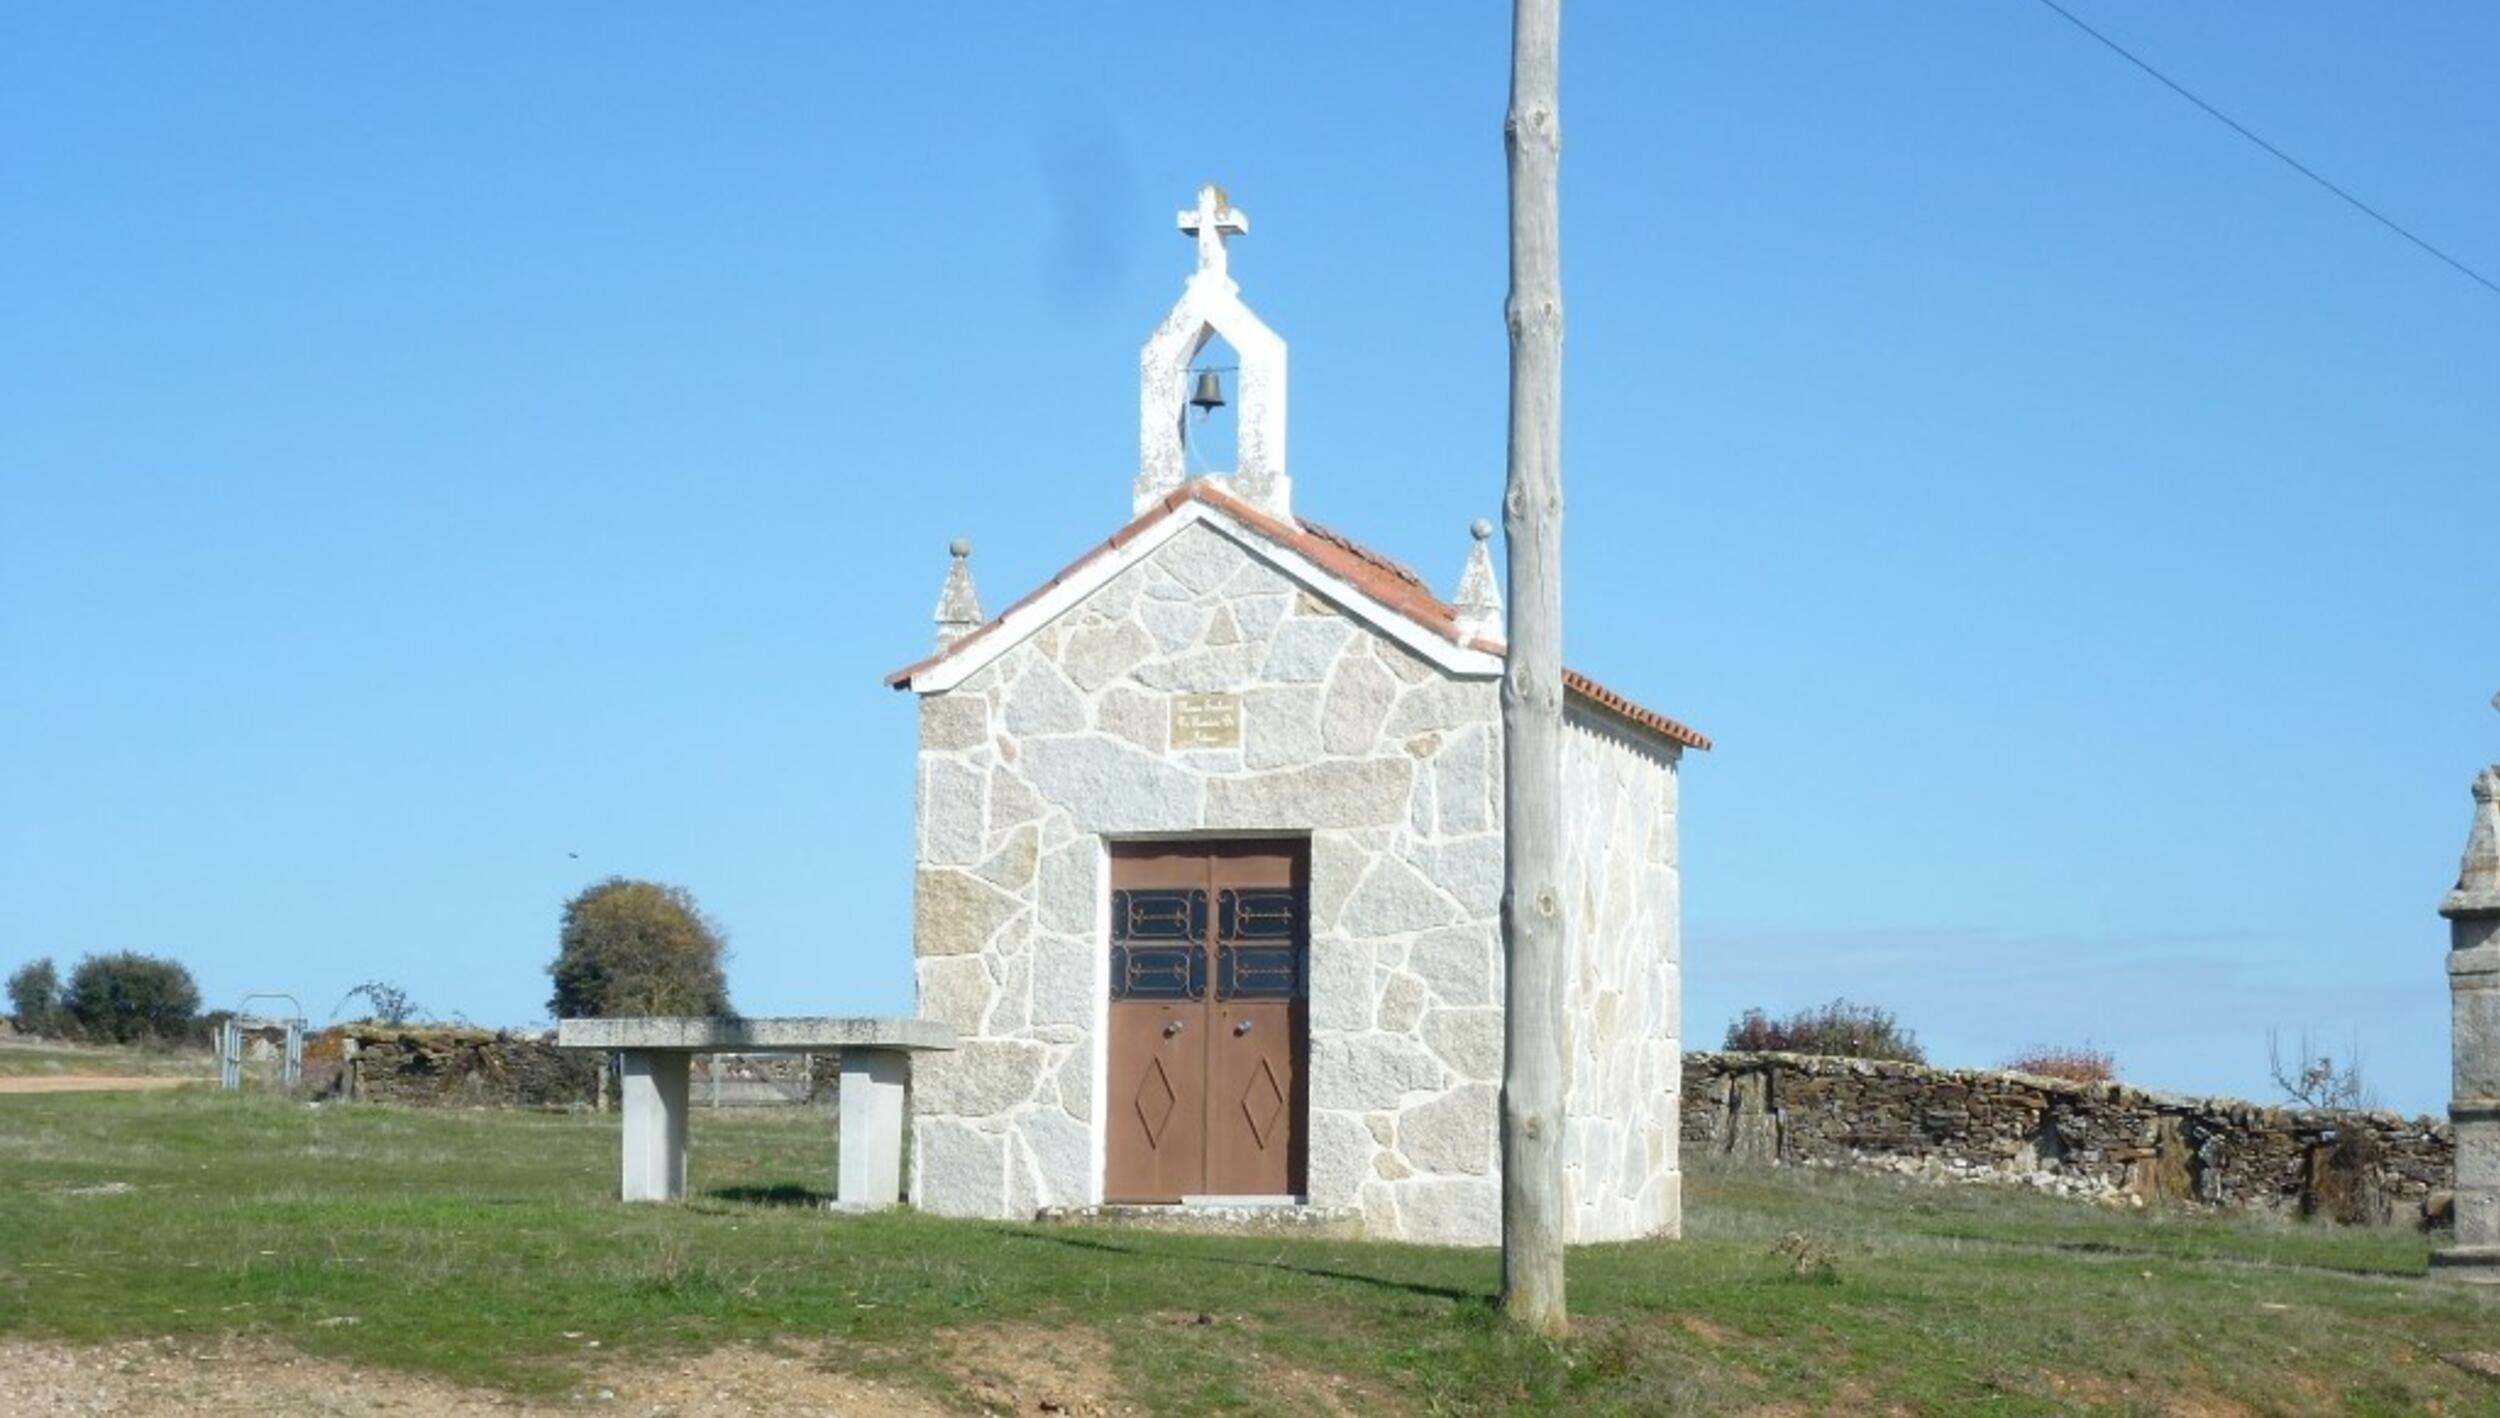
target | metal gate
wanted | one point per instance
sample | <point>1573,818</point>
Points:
<point>230,1037</point>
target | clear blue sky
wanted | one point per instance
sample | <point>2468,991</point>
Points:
<point>439,441</point>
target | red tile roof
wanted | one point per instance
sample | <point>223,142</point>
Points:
<point>1382,578</point>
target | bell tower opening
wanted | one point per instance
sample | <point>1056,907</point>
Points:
<point>1211,418</point>
<point>1211,380</point>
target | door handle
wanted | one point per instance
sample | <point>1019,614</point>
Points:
<point>1240,1027</point>
<point>1174,1028</point>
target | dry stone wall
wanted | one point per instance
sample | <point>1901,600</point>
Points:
<point>448,1068</point>
<point>2106,1141</point>
<point>476,1068</point>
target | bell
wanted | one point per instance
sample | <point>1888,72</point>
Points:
<point>1210,395</point>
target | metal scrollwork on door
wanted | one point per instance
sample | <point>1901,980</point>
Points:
<point>1258,953</point>
<point>1155,950</point>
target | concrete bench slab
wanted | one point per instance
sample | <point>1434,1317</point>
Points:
<point>875,1052</point>
<point>815,1033</point>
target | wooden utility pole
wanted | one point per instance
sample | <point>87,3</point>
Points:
<point>1532,713</point>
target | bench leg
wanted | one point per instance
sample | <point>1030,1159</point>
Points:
<point>655,1125</point>
<point>871,1148</point>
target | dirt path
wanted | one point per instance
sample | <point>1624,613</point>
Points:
<point>89,1083</point>
<point>1000,1370</point>
<point>235,1378</point>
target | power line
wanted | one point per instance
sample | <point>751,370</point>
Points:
<point>2292,162</point>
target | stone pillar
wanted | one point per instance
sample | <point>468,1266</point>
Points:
<point>870,1164</point>
<point>654,1095</point>
<point>2473,912</point>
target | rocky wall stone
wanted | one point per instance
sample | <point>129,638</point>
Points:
<point>434,1066</point>
<point>2105,1141</point>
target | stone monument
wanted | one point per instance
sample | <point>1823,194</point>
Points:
<point>2473,912</point>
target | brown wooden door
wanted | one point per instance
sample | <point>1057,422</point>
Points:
<point>1209,1020</point>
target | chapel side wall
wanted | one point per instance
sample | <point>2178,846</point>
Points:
<point>1032,765</point>
<point>1622,890</point>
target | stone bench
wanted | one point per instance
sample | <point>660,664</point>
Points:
<point>876,1062</point>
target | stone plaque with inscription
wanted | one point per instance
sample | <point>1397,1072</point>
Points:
<point>1206,721</point>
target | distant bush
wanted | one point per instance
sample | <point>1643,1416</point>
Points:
<point>637,947</point>
<point>128,998</point>
<point>1839,1029</point>
<point>2082,1064</point>
<point>385,1003</point>
<point>35,998</point>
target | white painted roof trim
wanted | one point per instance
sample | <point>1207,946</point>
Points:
<point>1026,621</point>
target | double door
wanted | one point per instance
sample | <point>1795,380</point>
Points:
<point>1209,1020</point>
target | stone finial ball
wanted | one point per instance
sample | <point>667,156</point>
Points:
<point>961,546</point>
<point>1482,529</point>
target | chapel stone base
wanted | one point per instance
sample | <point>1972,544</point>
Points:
<point>1335,1223</point>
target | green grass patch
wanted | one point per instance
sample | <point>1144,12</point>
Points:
<point>486,1247</point>
<point>22,1058</point>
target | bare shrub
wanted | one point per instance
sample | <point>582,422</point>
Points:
<point>2075,1063</point>
<point>2314,1078</point>
<point>1808,1258</point>
<point>1839,1029</point>
<point>385,1002</point>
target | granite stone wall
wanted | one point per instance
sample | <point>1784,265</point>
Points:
<point>1624,1068</point>
<point>2106,1141</point>
<point>1391,768</point>
<point>1032,764</point>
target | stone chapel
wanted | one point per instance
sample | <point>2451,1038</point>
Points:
<point>1209,865</point>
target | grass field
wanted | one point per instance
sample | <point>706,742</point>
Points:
<point>22,1058</point>
<point>483,1248</point>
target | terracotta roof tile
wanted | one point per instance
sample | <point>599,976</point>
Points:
<point>1380,577</point>
<point>1591,692</point>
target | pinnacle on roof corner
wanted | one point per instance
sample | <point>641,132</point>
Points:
<point>2477,892</point>
<point>1479,598</point>
<point>959,606</point>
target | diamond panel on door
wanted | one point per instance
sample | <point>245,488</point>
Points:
<point>1155,1100</point>
<point>1263,1104</point>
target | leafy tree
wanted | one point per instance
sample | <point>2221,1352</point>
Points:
<point>637,947</point>
<point>35,997</point>
<point>129,998</point>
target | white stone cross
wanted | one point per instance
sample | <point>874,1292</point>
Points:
<point>1211,221</point>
